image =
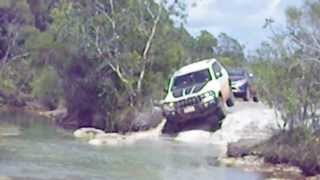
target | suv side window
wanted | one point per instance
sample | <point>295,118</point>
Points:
<point>217,70</point>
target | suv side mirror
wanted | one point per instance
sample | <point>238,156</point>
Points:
<point>165,89</point>
<point>218,74</point>
<point>166,86</point>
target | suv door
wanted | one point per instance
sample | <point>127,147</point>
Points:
<point>221,75</point>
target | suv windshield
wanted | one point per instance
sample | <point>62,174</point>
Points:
<point>190,79</point>
<point>236,72</point>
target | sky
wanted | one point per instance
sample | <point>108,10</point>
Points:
<point>241,19</point>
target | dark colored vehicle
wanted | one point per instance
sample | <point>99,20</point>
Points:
<point>242,84</point>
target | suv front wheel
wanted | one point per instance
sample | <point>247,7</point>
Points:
<point>221,111</point>
<point>214,121</point>
<point>171,127</point>
<point>230,100</point>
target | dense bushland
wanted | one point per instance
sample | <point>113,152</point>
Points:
<point>287,68</point>
<point>104,60</point>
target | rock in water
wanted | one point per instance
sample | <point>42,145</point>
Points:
<point>110,139</point>
<point>5,178</point>
<point>195,136</point>
<point>242,148</point>
<point>8,131</point>
<point>147,120</point>
<point>87,133</point>
<point>106,142</point>
<point>115,139</point>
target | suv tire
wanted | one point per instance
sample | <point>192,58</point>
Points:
<point>171,127</point>
<point>215,122</point>
<point>246,96</point>
<point>230,101</point>
<point>221,111</point>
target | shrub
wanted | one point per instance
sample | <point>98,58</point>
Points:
<point>46,86</point>
<point>298,147</point>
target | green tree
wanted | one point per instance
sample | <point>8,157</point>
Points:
<point>15,26</point>
<point>205,44</point>
<point>288,66</point>
<point>105,53</point>
<point>230,50</point>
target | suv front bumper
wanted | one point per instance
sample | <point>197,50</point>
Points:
<point>200,110</point>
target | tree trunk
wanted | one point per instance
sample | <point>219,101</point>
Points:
<point>12,99</point>
<point>146,50</point>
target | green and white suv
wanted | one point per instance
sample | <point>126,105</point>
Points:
<point>198,90</point>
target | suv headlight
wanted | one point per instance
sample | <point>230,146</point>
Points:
<point>168,107</point>
<point>208,96</point>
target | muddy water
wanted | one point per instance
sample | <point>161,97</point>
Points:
<point>31,148</point>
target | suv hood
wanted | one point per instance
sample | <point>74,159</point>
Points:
<point>188,90</point>
<point>196,90</point>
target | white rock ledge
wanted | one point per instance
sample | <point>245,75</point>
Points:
<point>98,137</point>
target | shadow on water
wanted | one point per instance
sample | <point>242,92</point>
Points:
<point>196,124</point>
<point>42,151</point>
